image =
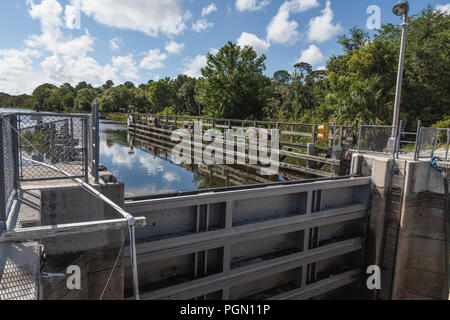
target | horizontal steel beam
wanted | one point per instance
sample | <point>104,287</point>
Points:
<point>320,287</point>
<point>66,229</point>
<point>142,206</point>
<point>172,247</point>
<point>252,272</point>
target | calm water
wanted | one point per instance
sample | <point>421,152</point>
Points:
<point>148,170</point>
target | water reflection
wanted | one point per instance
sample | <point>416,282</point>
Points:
<point>146,168</point>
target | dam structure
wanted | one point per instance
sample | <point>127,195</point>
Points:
<point>372,198</point>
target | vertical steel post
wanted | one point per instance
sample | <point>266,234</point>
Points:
<point>448,144</point>
<point>15,150</point>
<point>2,176</point>
<point>96,139</point>
<point>85,122</point>
<point>134,262</point>
<point>418,139</point>
<point>359,137</point>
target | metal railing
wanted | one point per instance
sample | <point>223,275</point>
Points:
<point>49,146</point>
<point>30,141</point>
<point>425,143</point>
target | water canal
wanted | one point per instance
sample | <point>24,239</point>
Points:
<point>147,169</point>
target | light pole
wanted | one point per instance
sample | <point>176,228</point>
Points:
<point>401,9</point>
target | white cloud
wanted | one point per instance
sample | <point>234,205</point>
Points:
<point>209,9</point>
<point>154,60</point>
<point>281,29</point>
<point>248,39</point>
<point>115,43</point>
<point>321,28</point>
<point>174,47</point>
<point>251,5</point>
<point>193,66</point>
<point>312,55</point>
<point>16,72</point>
<point>126,66</point>
<point>148,16</point>
<point>201,24</point>
<point>214,51</point>
<point>444,8</point>
<point>68,60</point>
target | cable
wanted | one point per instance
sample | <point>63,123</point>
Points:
<point>115,264</point>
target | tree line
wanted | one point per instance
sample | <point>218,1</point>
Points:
<point>357,86</point>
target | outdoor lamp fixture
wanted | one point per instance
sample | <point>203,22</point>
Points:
<point>400,9</point>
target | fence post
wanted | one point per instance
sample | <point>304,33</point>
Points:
<point>418,140</point>
<point>359,137</point>
<point>2,181</point>
<point>448,143</point>
<point>96,139</point>
<point>86,148</point>
<point>15,150</point>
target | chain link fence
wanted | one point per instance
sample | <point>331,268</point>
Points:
<point>8,183</point>
<point>378,139</point>
<point>53,139</point>
<point>434,142</point>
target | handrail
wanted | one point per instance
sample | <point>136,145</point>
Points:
<point>131,221</point>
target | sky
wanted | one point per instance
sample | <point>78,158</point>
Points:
<point>58,41</point>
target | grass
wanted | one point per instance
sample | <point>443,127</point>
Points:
<point>118,117</point>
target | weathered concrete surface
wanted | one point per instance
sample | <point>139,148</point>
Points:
<point>95,253</point>
<point>419,263</point>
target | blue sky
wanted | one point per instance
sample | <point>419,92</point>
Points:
<point>61,41</point>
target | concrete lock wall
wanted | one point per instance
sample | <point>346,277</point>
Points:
<point>95,253</point>
<point>411,257</point>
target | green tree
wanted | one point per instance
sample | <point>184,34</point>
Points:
<point>233,83</point>
<point>282,77</point>
<point>41,95</point>
<point>161,95</point>
<point>83,100</point>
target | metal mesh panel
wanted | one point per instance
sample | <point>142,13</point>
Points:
<point>7,175</point>
<point>58,140</point>
<point>434,142</point>
<point>376,138</point>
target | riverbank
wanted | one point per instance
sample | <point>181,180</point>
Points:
<point>117,117</point>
